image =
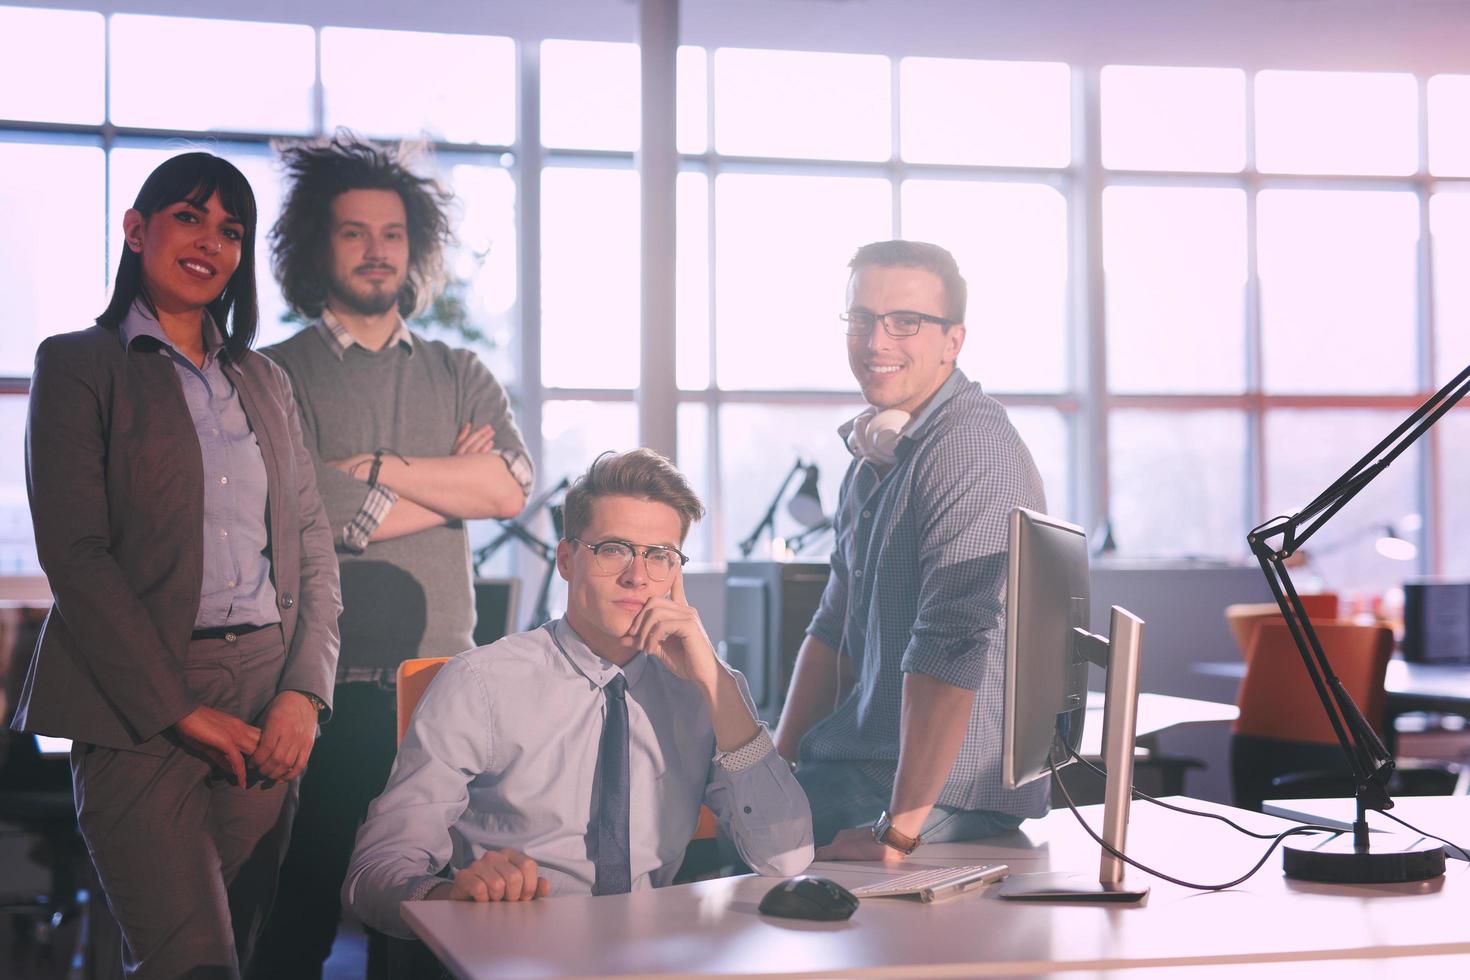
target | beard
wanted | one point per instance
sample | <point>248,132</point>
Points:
<point>372,299</point>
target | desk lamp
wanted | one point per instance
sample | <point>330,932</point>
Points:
<point>805,505</point>
<point>1273,544</point>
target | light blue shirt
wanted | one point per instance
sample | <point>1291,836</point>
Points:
<point>502,752</point>
<point>236,589</point>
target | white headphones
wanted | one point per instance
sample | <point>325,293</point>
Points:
<point>874,435</point>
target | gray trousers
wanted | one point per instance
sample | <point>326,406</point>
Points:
<point>187,860</point>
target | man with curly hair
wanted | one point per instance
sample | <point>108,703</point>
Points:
<point>411,438</point>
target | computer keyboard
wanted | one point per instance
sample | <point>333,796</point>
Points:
<point>936,883</point>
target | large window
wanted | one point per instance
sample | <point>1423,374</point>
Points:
<point>1200,292</point>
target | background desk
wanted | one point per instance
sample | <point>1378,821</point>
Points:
<point>1442,688</point>
<point>713,926</point>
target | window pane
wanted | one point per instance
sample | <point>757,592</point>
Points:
<point>1044,430</point>
<point>226,93</point>
<point>1449,138</point>
<point>802,104</point>
<point>455,87</point>
<point>483,266</point>
<point>1173,118</point>
<point>574,433</point>
<point>694,462</point>
<point>44,79</point>
<point>1449,220</point>
<point>758,446</point>
<point>1010,241</point>
<point>1454,460</point>
<point>1175,265</point>
<point>692,103</point>
<point>17,542</point>
<point>1322,122</point>
<point>1338,290</point>
<point>692,281</point>
<point>1177,483</point>
<point>778,293</point>
<point>589,278</point>
<point>1005,113</point>
<point>52,276</point>
<point>131,165</point>
<point>1305,452</point>
<point>589,95</point>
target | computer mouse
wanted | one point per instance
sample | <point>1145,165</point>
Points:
<point>809,897</point>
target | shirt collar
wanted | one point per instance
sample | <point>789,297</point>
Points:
<point>589,664</point>
<point>140,322</point>
<point>946,391</point>
<point>339,339</point>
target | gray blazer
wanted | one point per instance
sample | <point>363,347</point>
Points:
<point>116,484</point>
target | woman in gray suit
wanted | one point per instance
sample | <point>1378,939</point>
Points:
<point>193,642</point>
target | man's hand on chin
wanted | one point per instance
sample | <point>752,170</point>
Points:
<point>857,844</point>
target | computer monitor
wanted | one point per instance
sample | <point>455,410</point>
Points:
<point>1048,649</point>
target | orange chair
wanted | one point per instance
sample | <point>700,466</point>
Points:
<point>1283,744</point>
<point>413,680</point>
<point>1244,617</point>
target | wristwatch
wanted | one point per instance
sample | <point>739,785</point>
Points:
<point>316,702</point>
<point>885,833</point>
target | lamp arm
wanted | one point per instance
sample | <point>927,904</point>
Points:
<point>1279,538</point>
<point>768,522</point>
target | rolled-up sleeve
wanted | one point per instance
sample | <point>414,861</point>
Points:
<point>759,804</point>
<point>965,488</point>
<point>405,841</point>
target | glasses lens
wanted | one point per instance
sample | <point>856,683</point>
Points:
<point>859,324</point>
<point>613,556</point>
<point>660,562</point>
<point>904,324</point>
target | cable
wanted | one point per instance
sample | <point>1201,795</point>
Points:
<point>1421,833</point>
<point>1275,842</point>
<point>1140,794</point>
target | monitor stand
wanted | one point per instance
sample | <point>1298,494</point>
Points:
<point>1118,654</point>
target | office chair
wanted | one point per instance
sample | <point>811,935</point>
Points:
<point>1283,746</point>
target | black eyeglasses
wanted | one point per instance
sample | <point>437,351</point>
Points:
<point>898,324</point>
<point>613,556</point>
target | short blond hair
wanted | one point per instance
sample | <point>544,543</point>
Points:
<point>640,473</point>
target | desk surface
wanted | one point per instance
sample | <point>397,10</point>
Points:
<point>1443,816</point>
<point>1156,713</point>
<point>713,926</point>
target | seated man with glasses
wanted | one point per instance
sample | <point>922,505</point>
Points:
<point>894,712</point>
<point>573,759</point>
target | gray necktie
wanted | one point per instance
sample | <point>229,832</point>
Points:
<point>613,874</point>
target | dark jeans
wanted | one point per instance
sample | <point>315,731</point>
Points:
<point>842,796</point>
<point>349,767</point>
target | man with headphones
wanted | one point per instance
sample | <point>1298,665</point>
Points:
<point>894,712</point>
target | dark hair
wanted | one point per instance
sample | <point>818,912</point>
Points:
<point>919,255</point>
<point>640,473</point>
<point>195,177</point>
<point>319,173</point>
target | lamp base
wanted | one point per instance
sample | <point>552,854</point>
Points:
<point>1391,858</point>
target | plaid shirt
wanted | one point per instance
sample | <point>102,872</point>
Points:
<point>918,586</point>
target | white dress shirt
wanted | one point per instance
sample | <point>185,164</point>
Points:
<point>502,752</point>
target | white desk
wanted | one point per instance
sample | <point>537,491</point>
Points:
<point>1443,816</point>
<point>1156,713</point>
<point>713,927</point>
